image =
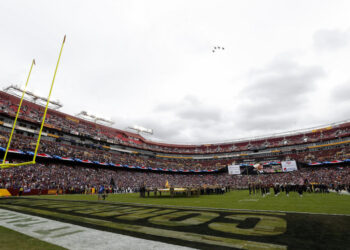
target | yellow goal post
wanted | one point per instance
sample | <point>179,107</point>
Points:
<point>7,165</point>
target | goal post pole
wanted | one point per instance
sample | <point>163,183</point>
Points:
<point>48,101</point>
<point>18,111</point>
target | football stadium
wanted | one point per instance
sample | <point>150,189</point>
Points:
<point>79,180</point>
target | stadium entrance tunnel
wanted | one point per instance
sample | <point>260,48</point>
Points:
<point>196,227</point>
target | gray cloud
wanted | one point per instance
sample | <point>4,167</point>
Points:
<point>276,94</point>
<point>180,121</point>
<point>283,86</point>
<point>190,108</point>
<point>200,114</point>
<point>331,39</point>
<point>340,93</point>
<point>268,124</point>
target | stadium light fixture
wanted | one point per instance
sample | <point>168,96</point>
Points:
<point>83,114</point>
<point>28,95</point>
<point>140,129</point>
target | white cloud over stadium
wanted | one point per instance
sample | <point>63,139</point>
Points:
<point>150,63</point>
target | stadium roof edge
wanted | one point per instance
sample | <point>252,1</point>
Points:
<point>254,138</point>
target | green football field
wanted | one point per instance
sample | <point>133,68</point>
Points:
<point>331,203</point>
<point>234,220</point>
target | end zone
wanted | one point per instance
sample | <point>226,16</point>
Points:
<point>193,227</point>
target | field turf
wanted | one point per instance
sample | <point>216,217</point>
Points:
<point>234,220</point>
<point>330,203</point>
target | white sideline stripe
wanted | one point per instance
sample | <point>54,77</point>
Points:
<point>75,237</point>
<point>341,192</point>
<point>245,200</point>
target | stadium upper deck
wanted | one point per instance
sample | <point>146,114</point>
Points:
<point>64,123</point>
<point>69,137</point>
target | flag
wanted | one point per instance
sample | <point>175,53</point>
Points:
<point>167,184</point>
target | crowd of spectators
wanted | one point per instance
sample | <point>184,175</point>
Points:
<point>57,176</point>
<point>25,143</point>
<point>103,155</point>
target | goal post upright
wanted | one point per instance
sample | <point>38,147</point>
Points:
<point>48,101</point>
<point>18,111</point>
<point>7,165</point>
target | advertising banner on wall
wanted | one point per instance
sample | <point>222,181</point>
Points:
<point>288,166</point>
<point>234,169</point>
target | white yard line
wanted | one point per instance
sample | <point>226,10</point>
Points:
<point>245,200</point>
<point>341,192</point>
<point>75,237</point>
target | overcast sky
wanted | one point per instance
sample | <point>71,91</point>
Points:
<point>286,64</point>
